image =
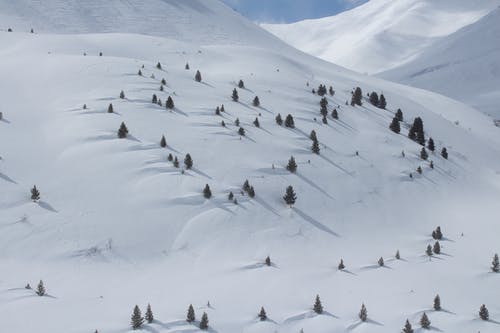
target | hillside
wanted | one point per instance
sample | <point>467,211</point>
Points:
<point>118,224</point>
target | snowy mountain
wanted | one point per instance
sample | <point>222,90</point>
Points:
<point>118,224</point>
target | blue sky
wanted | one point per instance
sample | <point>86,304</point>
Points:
<point>280,11</point>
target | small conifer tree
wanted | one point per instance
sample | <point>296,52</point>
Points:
<point>430,145</point>
<point>437,248</point>
<point>315,147</point>
<point>176,162</point>
<point>136,320</point>
<point>241,131</point>
<point>163,82</point>
<point>110,108</point>
<point>40,289</point>
<point>237,122</point>
<point>190,314</point>
<point>407,328</point>
<point>163,141</point>
<point>335,114</point>
<point>318,307</point>
<point>204,321</point>
<point>217,110</point>
<point>85,106</point>
<point>197,77</point>
<point>279,120</point>
<point>437,303</point>
<point>419,170</point>
<point>397,256</point>
<point>235,95</point>
<point>399,115</point>
<point>207,193</point>
<point>324,120</point>
<point>154,100</point>
<point>223,124</point>
<point>262,314</point>
<point>187,66</point>
<point>428,250</point>
<point>251,192</point>
<point>444,153</point>
<point>292,165</point>
<point>423,154</point>
<point>381,262</point>
<point>28,286</point>
<point>395,126</point>
<point>331,91</point>
<point>313,136</point>
<point>495,265</point>
<point>425,323</point>
<point>374,99</point>
<point>170,158</point>
<point>256,122</point>
<point>241,84</point>
<point>158,65</point>
<point>246,186</point>
<point>170,103</point>
<point>188,161</point>
<point>122,94</point>
<point>122,131</point>
<point>139,73</point>
<point>357,97</point>
<point>230,197</point>
<point>256,101</point>
<point>363,313</point>
<point>35,194</point>
<point>222,109</point>
<point>484,313</point>
<point>289,122</point>
<point>341,265</point>
<point>149,314</point>
<point>268,261</point>
<point>437,234</point>
<point>382,102</point>
<point>290,196</point>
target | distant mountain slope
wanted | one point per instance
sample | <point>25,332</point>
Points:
<point>464,66</point>
<point>381,34</point>
<point>205,21</point>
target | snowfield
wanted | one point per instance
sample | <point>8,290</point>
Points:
<point>118,225</point>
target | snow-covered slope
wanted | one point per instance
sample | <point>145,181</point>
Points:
<point>464,66</point>
<point>382,34</point>
<point>119,225</point>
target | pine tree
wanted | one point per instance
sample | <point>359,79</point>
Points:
<point>437,248</point>
<point>399,115</point>
<point>289,121</point>
<point>256,101</point>
<point>235,96</point>
<point>163,141</point>
<point>163,82</point>
<point>230,197</point>
<point>381,262</point>
<point>437,303</point>
<point>437,234</point>
<point>397,256</point>
<point>335,114</point>
<point>423,154</point>
<point>190,314</point>
<point>416,132</point>
<point>28,286</point>
<point>40,289</point>
<point>187,66</point>
<point>484,313</point>
<point>122,94</point>
<point>197,77</point>
<point>425,322</point>
<point>279,120</point>
<point>251,192</point>
<point>246,186</point>
<point>188,161</point>
<point>149,314</point>
<point>324,120</point>
<point>374,99</point>
<point>292,165</point>
<point>419,170</point>
<point>431,165</point>
<point>382,102</point>
<point>428,250</point>
<point>159,102</point>
<point>237,122</point>
<point>241,84</point>
<point>85,106</point>
<point>136,320</point>
<point>222,109</point>
<point>241,131</point>
<point>363,313</point>
<point>324,103</point>
<point>217,110</point>
<point>176,162</point>
<point>122,131</point>
<point>290,196</point>
<point>313,136</point>
<point>110,108</point>
<point>158,65</point>
<point>170,103</point>
<point>207,193</point>
<point>318,307</point>
<point>495,265</point>
<point>395,126</point>
<point>430,145</point>
<point>268,261</point>
<point>170,158</point>
<point>357,97</point>
<point>204,321</point>
<point>162,89</point>
<point>262,314</point>
<point>154,100</point>
<point>407,328</point>
<point>331,91</point>
<point>256,122</point>
<point>35,194</point>
<point>315,147</point>
<point>341,265</point>
<point>444,153</point>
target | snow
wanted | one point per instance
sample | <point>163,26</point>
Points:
<point>117,225</point>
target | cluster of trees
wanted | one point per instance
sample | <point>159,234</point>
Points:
<point>377,101</point>
<point>315,143</point>
<point>248,189</point>
<point>357,97</point>
<point>137,320</point>
<point>321,91</point>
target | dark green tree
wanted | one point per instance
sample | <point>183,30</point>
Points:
<point>235,95</point>
<point>241,84</point>
<point>154,100</point>
<point>437,303</point>
<point>425,322</point>
<point>187,66</point>
<point>262,314</point>
<point>399,115</point>
<point>204,321</point>
<point>437,248</point>
<point>395,126</point>
<point>190,314</point>
<point>35,194</point>
<point>407,328</point>
<point>207,193</point>
<point>335,114</point>
<point>256,101</point>
<point>241,131</point>
<point>341,265</point>
<point>292,165</point>
<point>290,196</point>
<point>268,261</point>
<point>357,97</point>
<point>495,264</point>
<point>136,320</point>
<point>188,161</point>
<point>163,141</point>
<point>363,313</point>
<point>163,82</point>
<point>237,122</point>
<point>40,289</point>
<point>318,307</point>
<point>170,103</point>
<point>256,122</point>
<point>122,94</point>
<point>197,77</point>
<point>279,120</point>
<point>149,314</point>
<point>430,145</point>
<point>428,250</point>
<point>382,102</point>
<point>289,121</point>
<point>158,65</point>
<point>246,186</point>
<point>381,262</point>
<point>444,153</point>
<point>397,256</point>
<point>484,313</point>
<point>122,131</point>
<point>110,108</point>
<point>176,162</point>
<point>374,99</point>
<point>423,154</point>
<point>170,158</point>
<point>315,147</point>
<point>313,136</point>
<point>230,197</point>
<point>251,192</point>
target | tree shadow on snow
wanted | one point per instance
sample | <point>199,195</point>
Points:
<point>7,178</point>
<point>314,222</point>
<point>47,206</point>
<point>359,323</point>
<point>307,315</point>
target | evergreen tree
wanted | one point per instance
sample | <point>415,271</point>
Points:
<point>223,123</point>
<point>292,165</point>
<point>170,158</point>
<point>262,314</point>
<point>207,193</point>
<point>222,108</point>
<point>136,320</point>
<point>290,196</point>
<point>437,303</point>
<point>163,141</point>
<point>322,90</point>
<point>256,122</point>
<point>176,162</point>
<point>495,265</point>
<point>28,286</point>
<point>159,102</point>
<point>187,66</point>
<point>279,120</point>
<point>423,154</point>
<point>188,161</point>
<point>170,103</point>
<point>217,110</point>
<point>419,170</point>
<point>444,153</point>
<point>237,122</point>
<point>190,314</point>
<point>289,121</point>
<point>357,97</point>
<point>162,89</point>
<point>154,100</point>
<point>158,65</point>
<point>324,120</point>
<point>139,73</point>
<point>35,194</point>
<point>251,192</point>
<point>431,165</point>
<point>204,321</point>
<point>437,234</point>
<point>341,265</point>
<point>122,94</point>
<point>149,314</point>
<point>363,313</point>
<point>85,106</point>
<point>318,307</point>
<point>374,99</point>
<point>395,126</point>
<point>335,114</point>
<point>256,101</point>
<point>381,262</point>
<point>437,248</point>
<point>324,103</point>
<point>430,145</point>
<point>428,250</point>
<point>230,197</point>
<point>425,322</point>
<point>197,77</point>
<point>416,132</point>
<point>122,131</point>
<point>397,256</point>
<point>246,186</point>
<point>407,328</point>
<point>110,108</point>
<point>40,289</point>
<point>268,261</point>
<point>313,136</point>
<point>382,102</point>
<point>235,96</point>
<point>331,91</point>
<point>484,313</point>
<point>241,84</point>
<point>163,82</point>
<point>399,115</point>
<point>241,131</point>
<point>315,147</point>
